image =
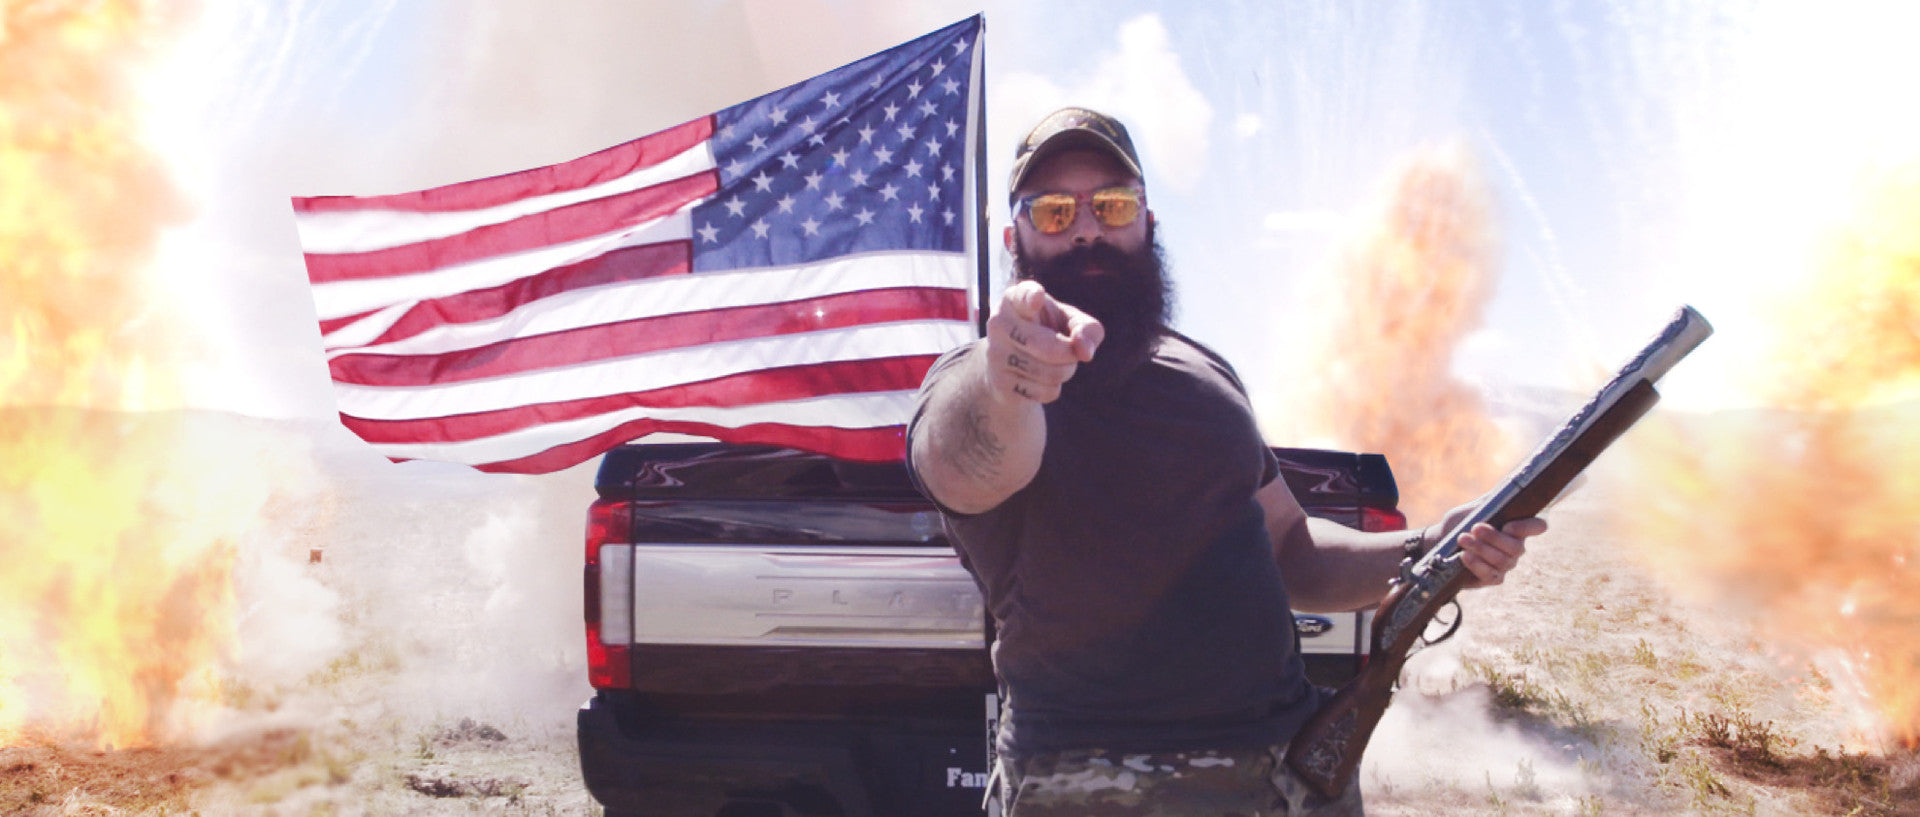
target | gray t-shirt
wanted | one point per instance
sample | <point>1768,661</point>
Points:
<point>1132,581</point>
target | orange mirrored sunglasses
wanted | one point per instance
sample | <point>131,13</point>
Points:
<point>1053,213</point>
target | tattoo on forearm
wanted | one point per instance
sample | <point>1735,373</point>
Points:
<point>980,451</point>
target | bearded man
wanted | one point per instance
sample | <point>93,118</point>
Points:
<point>1102,477</point>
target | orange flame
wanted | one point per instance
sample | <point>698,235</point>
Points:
<point>106,615</point>
<point>1806,510</point>
<point>1408,290</point>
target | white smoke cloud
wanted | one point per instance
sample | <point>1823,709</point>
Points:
<point>460,591</point>
<point>414,590</point>
<point>1440,736</point>
<point>289,625</point>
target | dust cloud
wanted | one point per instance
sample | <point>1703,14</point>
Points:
<point>458,593</point>
<point>1441,736</point>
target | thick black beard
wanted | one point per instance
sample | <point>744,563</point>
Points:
<point>1132,298</point>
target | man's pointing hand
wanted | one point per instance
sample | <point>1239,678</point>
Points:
<point>1035,343</point>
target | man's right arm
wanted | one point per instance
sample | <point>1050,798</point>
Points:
<point>982,430</point>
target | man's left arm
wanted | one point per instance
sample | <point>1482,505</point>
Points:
<point>1330,567</point>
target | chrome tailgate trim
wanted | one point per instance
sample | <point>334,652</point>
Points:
<point>908,597</point>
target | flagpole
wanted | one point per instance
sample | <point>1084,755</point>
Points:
<point>982,257</point>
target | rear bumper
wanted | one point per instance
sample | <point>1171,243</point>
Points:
<point>683,765</point>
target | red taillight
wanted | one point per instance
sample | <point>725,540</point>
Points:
<point>1379,519</point>
<point>609,521</point>
<point>609,602</point>
<point>1374,520</point>
<point>607,665</point>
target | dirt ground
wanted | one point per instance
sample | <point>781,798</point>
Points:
<point>392,767</point>
<point>1579,688</point>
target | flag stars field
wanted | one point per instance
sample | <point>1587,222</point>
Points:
<point>860,159</point>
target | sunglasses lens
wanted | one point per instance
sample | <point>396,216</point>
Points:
<point>1051,214</point>
<point>1116,207</point>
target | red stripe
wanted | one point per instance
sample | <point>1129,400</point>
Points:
<point>882,444</point>
<point>533,231</point>
<point>585,171</point>
<point>328,325</point>
<point>747,388</point>
<point>573,222</point>
<point>624,264</point>
<point>626,338</point>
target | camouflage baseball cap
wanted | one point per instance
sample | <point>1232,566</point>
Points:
<point>1073,127</point>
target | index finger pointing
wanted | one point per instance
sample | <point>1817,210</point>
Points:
<point>1026,300</point>
<point>1084,332</point>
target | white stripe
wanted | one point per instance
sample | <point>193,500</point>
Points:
<point>346,231</point>
<point>674,294</point>
<point>651,371</point>
<point>864,410</point>
<point>337,299</point>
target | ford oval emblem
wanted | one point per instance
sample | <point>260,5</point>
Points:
<point>1311,626</point>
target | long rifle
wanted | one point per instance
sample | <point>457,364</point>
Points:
<point>1326,752</point>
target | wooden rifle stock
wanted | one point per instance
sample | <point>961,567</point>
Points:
<point>1326,752</point>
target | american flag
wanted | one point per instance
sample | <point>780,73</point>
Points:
<point>783,271</point>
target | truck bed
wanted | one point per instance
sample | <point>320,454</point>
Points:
<point>770,631</point>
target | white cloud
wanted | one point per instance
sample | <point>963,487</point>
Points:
<point>1302,221</point>
<point>1143,84</point>
<point>1248,125</point>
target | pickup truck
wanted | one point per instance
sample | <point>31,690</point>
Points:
<point>773,633</point>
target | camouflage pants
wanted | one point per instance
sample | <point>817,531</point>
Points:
<point>1243,783</point>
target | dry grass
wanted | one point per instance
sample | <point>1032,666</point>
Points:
<point>366,756</point>
<point>44,779</point>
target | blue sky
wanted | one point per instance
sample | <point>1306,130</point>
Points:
<point>1641,155</point>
